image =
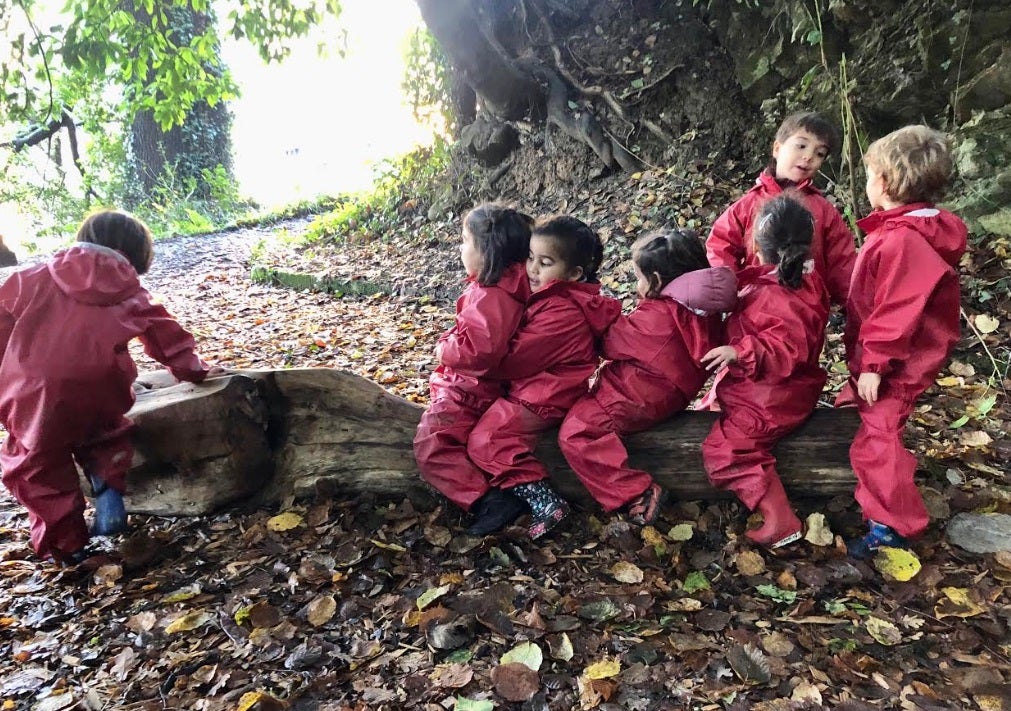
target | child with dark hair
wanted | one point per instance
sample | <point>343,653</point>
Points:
<point>803,142</point>
<point>903,320</point>
<point>67,378</point>
<point>769,379</point>
<point>653,367</point>
<point>550,360</point>
<point>493,248</point>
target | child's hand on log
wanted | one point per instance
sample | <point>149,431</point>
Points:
<point>719,357</point>
<point>217,371</point>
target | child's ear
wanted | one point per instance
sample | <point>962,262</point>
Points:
<point>775,149</point>
<point>655,282</point>
<point>577,274</point>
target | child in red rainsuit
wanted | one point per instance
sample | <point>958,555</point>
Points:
<point>66,378</point>
<point>772,380</point>
<point>494,248</point>
<point>653,368</point>
<point>903,321</point>
<point>548,366</point>
<point>802,143</point>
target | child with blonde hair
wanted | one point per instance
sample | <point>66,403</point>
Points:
<point>66,378</point>
<point>653,367</point>
<point>803,142</point>
<point>770,378</point>
<point>902,323</point>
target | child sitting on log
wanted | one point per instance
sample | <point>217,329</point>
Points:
<point>902,323</point>
<point>803,142</point>
<point>493,248</point>
<point>769,379</point>
<point>549,362</point>
<point>66,378</point>
<point>654,367</point>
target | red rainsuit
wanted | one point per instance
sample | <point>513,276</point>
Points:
<point>654,372</point>
<point>550,361</point>
<point>902,322</point>
<point>773,386</point>
<point>66,382</point>
<point>731,242</point>
<point>462,387</point>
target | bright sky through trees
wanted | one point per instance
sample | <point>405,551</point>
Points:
<point>313,125</point>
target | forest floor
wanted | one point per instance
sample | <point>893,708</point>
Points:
<point>351,605</point>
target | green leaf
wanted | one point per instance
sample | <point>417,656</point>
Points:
<point>638,83</point>
<point>431,595</point>
<point>777,593</point>
<point>696,581</point>
<point>959,422</point>
<point>986,404</point>
<point>464,704</point>
<point>813,37</point>
<point>526,653</point>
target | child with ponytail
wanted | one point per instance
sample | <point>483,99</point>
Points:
<point>653,369</point>
<point>769,379</point>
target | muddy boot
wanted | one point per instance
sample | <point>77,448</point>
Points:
<point>547,507</point>
<point>110,513</point>
<point>780,524</point>
<point>494,511</point>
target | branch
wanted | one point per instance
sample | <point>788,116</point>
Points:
<point>38,134</point>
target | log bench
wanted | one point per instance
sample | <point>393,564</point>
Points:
<point>261,436</point>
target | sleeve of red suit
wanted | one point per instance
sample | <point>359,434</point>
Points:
<point>547,338</point>
<point>168,342</point>
<point>840,256</point>
<point>9,294</point>
<point>770,348</point>
<point>725,245</point>
<point>480,339</point>
<point>906,272</point>
<point>631,338</point>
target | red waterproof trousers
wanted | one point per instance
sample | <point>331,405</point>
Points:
<point>46,482</point>
<point>885,469</point>
<point>503,442</point>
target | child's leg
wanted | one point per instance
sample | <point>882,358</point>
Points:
<point>885,469</point>
<point>440,448</point>
<point>591,442</point>
<point>106,459</point>
<point>46,483</point>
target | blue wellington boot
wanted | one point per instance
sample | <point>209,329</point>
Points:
<point>110,513</point>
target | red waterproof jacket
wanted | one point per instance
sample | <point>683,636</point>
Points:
<point>486,319</point>
<point>902,317</point>
<point>64,330</point>
<point>778,333</point>
<point>656,350</point>
<point>731,241</point>
<point>554,351</point>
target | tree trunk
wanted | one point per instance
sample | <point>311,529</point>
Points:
<point>265,435</point>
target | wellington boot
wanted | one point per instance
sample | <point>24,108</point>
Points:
<point>780,525</point>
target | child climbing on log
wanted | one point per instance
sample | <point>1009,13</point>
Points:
<point>493,248</point>
<point>653,367</point>
<point>769,378</point>
<point>903,321</point>
<point>550,360</point>
<point>66,378</point>
<point>803,142</point>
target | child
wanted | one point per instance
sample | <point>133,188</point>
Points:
<point>494,248</point>
<point>653,369</point>
<point>67,378</point>
<point>902,322</point>
<point>772,379</point>
<point>802,143</point>
<point>550,360</point>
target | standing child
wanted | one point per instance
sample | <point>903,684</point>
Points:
<point>902,322</point>
<point>803,142</point>
<point>653,368</point>
<point>493,249</point>
<point>772,379</point>
<point>66,378</point>
<point>550,360</point>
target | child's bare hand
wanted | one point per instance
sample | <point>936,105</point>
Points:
<point>719,357</point>
<point>867,387</point>
<point>438,352</point>
<point>216,371</point>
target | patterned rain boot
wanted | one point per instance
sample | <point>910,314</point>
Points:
<point>547,507</point>
<point>494,511</point>
<point>643,510</point>
<point>878,535</point>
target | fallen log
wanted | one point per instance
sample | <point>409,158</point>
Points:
<point>261,436</point>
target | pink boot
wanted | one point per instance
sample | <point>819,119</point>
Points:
<point>780,524</point>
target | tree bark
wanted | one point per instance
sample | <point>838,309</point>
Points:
<point>264,435</point>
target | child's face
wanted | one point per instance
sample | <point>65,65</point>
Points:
<point>799,157</point>
<point>544,264</point>
<point>876,194</point>
<point>470,255</point>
